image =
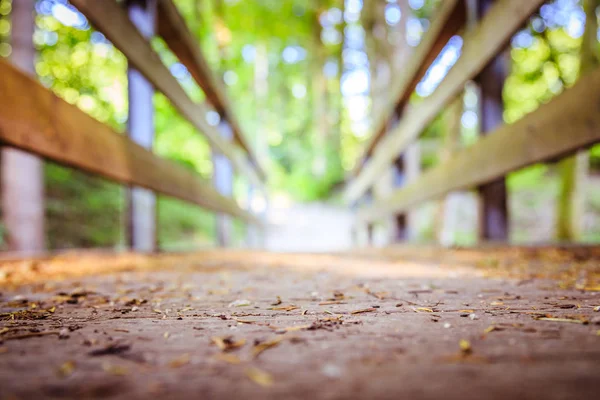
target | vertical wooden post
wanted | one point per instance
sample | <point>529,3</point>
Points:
<point>23,173</point>
<point>223,182</point>
<point>574,169</point>
<point>400,220</point>
<point>493,215</point>
<point>141,213</point>
<point>451,144</point>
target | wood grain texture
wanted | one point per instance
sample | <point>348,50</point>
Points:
<point>449,19</point>
<point>173,29</point>
<point>480,45</point>
<point>569,122</point>
<point>34,119</point>
<point>110,19</point>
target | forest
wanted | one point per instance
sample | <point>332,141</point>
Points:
<point>307,79</point>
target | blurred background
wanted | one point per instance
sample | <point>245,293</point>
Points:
<point>306,79</point>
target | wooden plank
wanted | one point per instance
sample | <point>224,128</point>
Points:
<point>110,19</point>
<point>569,122</point>
<point>173,29</point>
<point>34,119</point>
<point>449,19</point>
<point>480,45</point>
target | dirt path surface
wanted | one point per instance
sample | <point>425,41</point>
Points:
<point>258,326</point>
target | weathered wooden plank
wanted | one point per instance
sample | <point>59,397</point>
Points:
<point>110,19</point>
<point>567,123</point>
<point>34,119</point>
<point>173,29</point>
<point>449,19</point>
<point>480,45</point>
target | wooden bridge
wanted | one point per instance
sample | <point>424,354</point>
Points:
<point>402,321</point>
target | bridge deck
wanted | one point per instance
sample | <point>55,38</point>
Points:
<point>389,324</point>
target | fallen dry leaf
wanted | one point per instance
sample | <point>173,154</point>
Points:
<point>259,377</point>
<point>294,328</point>
<point>423,309</point>
<point>277,302</point>
<point>260,347</point>
<point>113,369</point>
<point>228,358</point>
<point>465,346</point>
<point>180,361</point>
<point>112,349</point>
<point>66,369</point>
<point>568,320</point>
<point>330,302</point>
<point>364,310</point>
<point>227,343</point>
<point>284,308</point>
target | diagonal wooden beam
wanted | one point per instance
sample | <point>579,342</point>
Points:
<point>34,119</point>
<point>448,21</point>
<point>567,123</point>
<point>110,19</point>
<point>480,45</point>
<point>173,29</point>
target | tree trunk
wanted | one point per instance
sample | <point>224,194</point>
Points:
<point>23,173</point>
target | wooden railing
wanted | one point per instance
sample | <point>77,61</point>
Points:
<point>567,123</point>
<point>112,20</point>
<point>34,119</point>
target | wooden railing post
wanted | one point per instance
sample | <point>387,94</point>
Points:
<point>23,173</point>
<point>400,223</point>
<point>493,208</point>
<point>223,182</point>
<point>141,203</point>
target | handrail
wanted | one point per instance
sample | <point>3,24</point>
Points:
<point>448,20</point>
<point>480,45</point>
<point>174,31</point>
<point>567,123</point>
<point>110,19</point>
<point>34,119</point>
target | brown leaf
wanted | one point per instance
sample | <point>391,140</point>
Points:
<point>284,308</point>
<point>423,309</point>
<point>66,369</point>
<point>228,358</point>
<point>568,320</point>
<point>364,310</point>
<point>329,302</point>
<point>260,347</point>
<point>113,369</point>
<point>259,377</point>
<point>277,302</point>
<point>180,361</point>
<point>465,346</point>
<point>112,349</point>
<point>227,343</point>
